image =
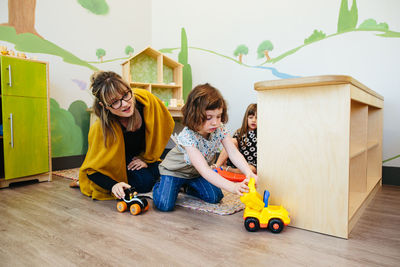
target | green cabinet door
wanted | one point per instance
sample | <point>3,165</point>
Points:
<point>21,77</point>
<point>25,135</point>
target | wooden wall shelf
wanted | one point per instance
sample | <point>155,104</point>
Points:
<point>153,71</point>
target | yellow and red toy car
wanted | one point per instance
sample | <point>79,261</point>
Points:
<point>258,214</point>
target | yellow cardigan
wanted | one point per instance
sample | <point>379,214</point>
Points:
<point>110,161</point>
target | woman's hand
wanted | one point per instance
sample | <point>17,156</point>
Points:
<point>118,189</point>
<point>136,164</point>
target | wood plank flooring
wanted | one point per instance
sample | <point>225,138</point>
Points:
<point>49,224</point>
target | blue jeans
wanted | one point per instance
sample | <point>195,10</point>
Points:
<point>144,179</point>
<point>166,191</point>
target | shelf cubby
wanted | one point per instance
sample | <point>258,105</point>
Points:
<point>153,71</point>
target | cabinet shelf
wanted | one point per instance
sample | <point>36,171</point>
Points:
<point>156,85</point>
<point>176,112</point>
<point>356,151</point>
<point>372,144</point>
<point>140,85</point>
<point>355,202</point>
<point>326,170</point>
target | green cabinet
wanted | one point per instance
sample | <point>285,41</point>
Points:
<point>25,148</point>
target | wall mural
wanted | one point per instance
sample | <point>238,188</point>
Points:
<point>70,137</point>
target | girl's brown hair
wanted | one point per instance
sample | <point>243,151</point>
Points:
<point>202,98</point>
<point>251,110</point>
<point>106,86</point>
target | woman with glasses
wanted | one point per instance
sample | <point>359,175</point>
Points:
<point>126,142</point>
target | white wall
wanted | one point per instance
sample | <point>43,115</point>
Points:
<point>222,25</point>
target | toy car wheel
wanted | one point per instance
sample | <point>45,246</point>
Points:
<point>135,209</point>
<point>146,205</point>
<point>251,224</point>
<point>275,226</point>
<point>121,206</point>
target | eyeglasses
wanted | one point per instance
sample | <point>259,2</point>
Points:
<point>118,103</point>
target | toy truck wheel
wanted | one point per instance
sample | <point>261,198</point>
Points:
<point>251,224</point>
<point>146,205</point>
<point>121,206</point>
<point>275,226</point>
<point>135,209</point>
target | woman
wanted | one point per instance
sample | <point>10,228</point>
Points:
<point>126,142</point>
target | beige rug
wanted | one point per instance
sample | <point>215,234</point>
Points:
<point>230,204</point>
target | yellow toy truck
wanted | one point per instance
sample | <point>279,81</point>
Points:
<point>258,214</point>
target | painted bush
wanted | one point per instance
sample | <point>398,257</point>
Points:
<point>78,109</point>
<point>66,136</point>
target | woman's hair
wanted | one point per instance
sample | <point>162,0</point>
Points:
<point>106,86</point>
<point>202,98</point>
<point>251,110</point>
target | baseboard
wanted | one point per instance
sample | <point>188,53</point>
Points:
<point>70,162</point>
<point>391,175</point>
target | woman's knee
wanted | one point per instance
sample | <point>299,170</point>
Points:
<point>142,180</point>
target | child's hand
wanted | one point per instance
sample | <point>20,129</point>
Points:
<point>118,189</point>
<point>240,188</point>
<point>251,175</point>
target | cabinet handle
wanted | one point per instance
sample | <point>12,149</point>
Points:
<point>12,130</point>
<point>9,76</point>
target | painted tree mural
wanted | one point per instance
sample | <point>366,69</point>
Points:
<point>347,18</point>
<point>187,69</point>
<point>21,16</point>
<point>240,51</point>
<point>129,50</point>
<point>264,48</point>
<point>21,13</point>
<point>100,53</point>
<point>98,7</point>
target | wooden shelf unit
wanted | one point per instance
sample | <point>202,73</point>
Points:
<point>153,71</point>
<point>320,149</point>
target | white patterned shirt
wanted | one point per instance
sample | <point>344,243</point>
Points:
<point>177,162</point>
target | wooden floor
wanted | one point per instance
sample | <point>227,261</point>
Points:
<point>49,224</point>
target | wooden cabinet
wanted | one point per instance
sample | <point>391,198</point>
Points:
<point>157,73</point>
<point>320,149</point>
<point>25,143</point>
